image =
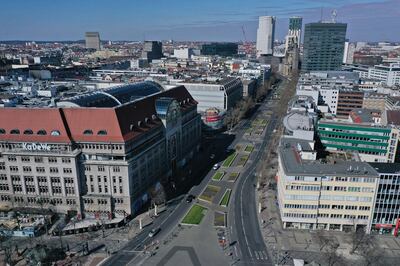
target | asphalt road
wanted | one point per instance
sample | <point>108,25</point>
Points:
<point>245,235</point>
<point>243,215</point>
<point>176,208</point>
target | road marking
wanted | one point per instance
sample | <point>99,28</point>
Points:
<point>236,252</point>
<point>251,255</point>
<point>265,254</point>
<point>255,252</point>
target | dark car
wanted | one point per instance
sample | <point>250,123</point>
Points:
<point>189,198</point>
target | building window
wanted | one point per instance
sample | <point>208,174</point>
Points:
<point>101,168</point>
<point>52,160</point>
<point>102,132</point>
<point>12,158</point>
<point>25,159</point>
<point>42,132</point>
<point>88,132</point>
<point>66,160</point>
<point>55,133</point>
<point>116,169</point>
<point>14,131</point>
<point>53,170</point>
<point>38,159</point>
<point>28,132</point>
<point>27,169</point>
<point>40,169</point>
<point>67,170</point>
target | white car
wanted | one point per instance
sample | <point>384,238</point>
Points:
<point>154,231</point>
<point>216,166</point>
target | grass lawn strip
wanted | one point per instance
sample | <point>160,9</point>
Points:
<point>232,177</point>
<point>194,215</point>
<point>225,199</point>
<point>218,176</point>
<point>219,219</point>
<point>228,161</point>
<point>209,193</point>
<point>249,148</point>
<point>243,160</point>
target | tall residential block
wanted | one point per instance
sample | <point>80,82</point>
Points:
<point>323,46</point>
<point>265,35</point>
<point>92,40</point>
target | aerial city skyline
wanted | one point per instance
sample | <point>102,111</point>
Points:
<point>204,133</point>
<point>205,21</point>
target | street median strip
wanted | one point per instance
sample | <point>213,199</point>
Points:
<point>228,161</point>
<point>209,193</point>
<point>232,177</point>
<point>218,176</point>
<point>194,215</point>
<point>225,198</point>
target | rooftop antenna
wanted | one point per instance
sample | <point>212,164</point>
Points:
<point>322,12</point>
<point>334,15</point>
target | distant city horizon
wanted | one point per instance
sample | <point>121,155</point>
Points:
<point>182,22</point>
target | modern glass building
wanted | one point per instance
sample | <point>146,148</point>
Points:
<point>221,49</point>
<point>373,144</point>
<point>386,214</point>
<point>323,46</point>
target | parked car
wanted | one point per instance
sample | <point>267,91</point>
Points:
<point>216,166</point>
<point>154,231</point>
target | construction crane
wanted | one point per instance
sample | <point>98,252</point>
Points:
<point>246,44</point>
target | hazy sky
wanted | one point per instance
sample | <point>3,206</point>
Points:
<point>209,20</point>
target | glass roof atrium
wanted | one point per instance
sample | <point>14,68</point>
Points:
<point>113,96</point>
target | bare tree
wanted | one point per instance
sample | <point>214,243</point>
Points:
<point>373,256</point>
<point>360,240</point>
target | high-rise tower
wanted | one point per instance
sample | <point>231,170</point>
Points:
<point>265,35</point>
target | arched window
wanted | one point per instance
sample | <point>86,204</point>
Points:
<point>102,132</point>
<point>2,131</point>
<point>28,132</point>
<point>139,123</point>
<point>88,132</point>
<point>154,117</point>
<point>55,133</point>
<point>146,120</point>
<point>14,131</point>
<point>42,132</point>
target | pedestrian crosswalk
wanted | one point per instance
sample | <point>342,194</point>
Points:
<point>258,254</point>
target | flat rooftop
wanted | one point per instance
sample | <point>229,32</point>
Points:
<point>290,150</point>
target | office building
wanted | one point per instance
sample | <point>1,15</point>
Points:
<point>96,154</point>
<point>92,40</point>
<point>348,54</point>
<point>218,93</point>
<point>265,35</point>
<point>388,74</point>
<point>221,49</point>
<point>336,79</point>
<point>183,53</point>
<point>386,212</point>
<point>372,141</point>
<point>152,50</point>
<point>323,46</point>
<point>348,100</point>
<point>336,194</point>
<point>378,101</point>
